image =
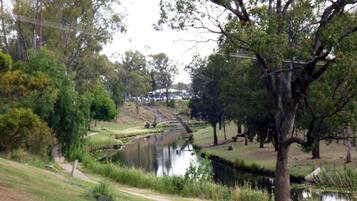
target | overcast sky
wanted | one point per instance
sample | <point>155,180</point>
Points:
<point>140,35</point>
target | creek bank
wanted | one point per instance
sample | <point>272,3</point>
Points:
<point>254,169</point>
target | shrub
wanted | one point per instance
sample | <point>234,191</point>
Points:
<point>171,103</point>
<point>102,190</point>
<point>247,194</point>
<point>22,129</point>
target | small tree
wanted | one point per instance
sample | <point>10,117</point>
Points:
<point>102,106</point>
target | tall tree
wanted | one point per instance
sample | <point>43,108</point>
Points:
<point>165,72</point>
<point>281,34</point>
<point>206,84</point>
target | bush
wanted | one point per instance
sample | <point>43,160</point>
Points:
<point>5,62</point>
<point>247,194</point>
<point>22,129</point>
<point>171,103</point>
<point>102,190</point>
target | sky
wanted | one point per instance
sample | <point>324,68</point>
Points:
<point>140,35</point>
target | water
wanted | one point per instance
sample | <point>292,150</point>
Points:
<point>171,154</point>
<point>163,154</point>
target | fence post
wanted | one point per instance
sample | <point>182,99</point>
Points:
<point>74,167</point>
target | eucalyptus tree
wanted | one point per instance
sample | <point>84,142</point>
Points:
<point>165,70</point>
<point>245,100</point>
<point>329,110</point>
<point>293,42</point>
<point>207,79</point>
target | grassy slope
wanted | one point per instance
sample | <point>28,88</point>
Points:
<point>300,163</point>
<point>126,125</point>
<point>24,182</point>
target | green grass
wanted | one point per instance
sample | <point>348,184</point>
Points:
<point>110,133</point>
<point>170,185</point>
<point>36,184</point>
<point>342,179</point>
<point>300,162</point>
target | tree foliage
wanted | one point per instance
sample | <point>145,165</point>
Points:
<point>21,128</point>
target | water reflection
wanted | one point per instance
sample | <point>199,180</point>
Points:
<point>162,154</point>
<point>165,154</point>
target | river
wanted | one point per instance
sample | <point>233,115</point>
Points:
<point>171,154</point>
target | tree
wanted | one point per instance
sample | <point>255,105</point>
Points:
<point>20,128</point>
<point>206,83</point>
<point>102,106</point>
<point>138,85</point>
<point>165,72</point>
<point>245,100</point>
<point>328,110</point>
<point>280,35</point>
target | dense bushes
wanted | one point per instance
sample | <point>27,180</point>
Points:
<point>21,128</point>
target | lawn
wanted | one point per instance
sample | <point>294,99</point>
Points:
<point>110,133</point>
<point>300,163</point>
<point>19,182</point>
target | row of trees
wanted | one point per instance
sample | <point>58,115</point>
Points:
<point>297,47</point>
<point>51,67</point>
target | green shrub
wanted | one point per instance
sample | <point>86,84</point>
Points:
<point>5,62</point>
<point>102,189</point>
<point>247,194</point>
<point>171,103</point>
<point>22,129</point>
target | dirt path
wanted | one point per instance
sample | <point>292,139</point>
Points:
<point>159,116</point>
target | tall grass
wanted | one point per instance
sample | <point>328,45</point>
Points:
<point>168,184</point>
<point>344,179</point>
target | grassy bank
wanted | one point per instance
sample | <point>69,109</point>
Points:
<point>170,185</point>
<point>113,133</point>
<point>21,182</point>
<point>300,163</point>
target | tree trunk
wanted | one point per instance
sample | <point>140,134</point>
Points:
<point>282,179</point>
<point>245,139</point>
<point>261,140</point>
<point>137,105</point>
<point>239,128</point>
<point>316,150</point>
<point>224,130</point>
<point>215,140</point>
<point>167,96</point>
<point>349,156</point>
<point>284,121</point>
<point>6,44</point>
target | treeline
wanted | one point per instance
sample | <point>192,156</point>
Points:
<point>228,88</point>
<point>54,81</point>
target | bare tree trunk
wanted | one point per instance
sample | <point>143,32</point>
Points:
<point>215,140</point>
<point>167,96</point>
<point>349,156</point>
<point>282,179</point>
<point>261,140</point>
<point>137,105</point>
<point>224,130</point>
<point>239,128</point>
<point>284,121</point>
<point>316,150</point>
<point>4,35</point>
<point>245,139</point>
